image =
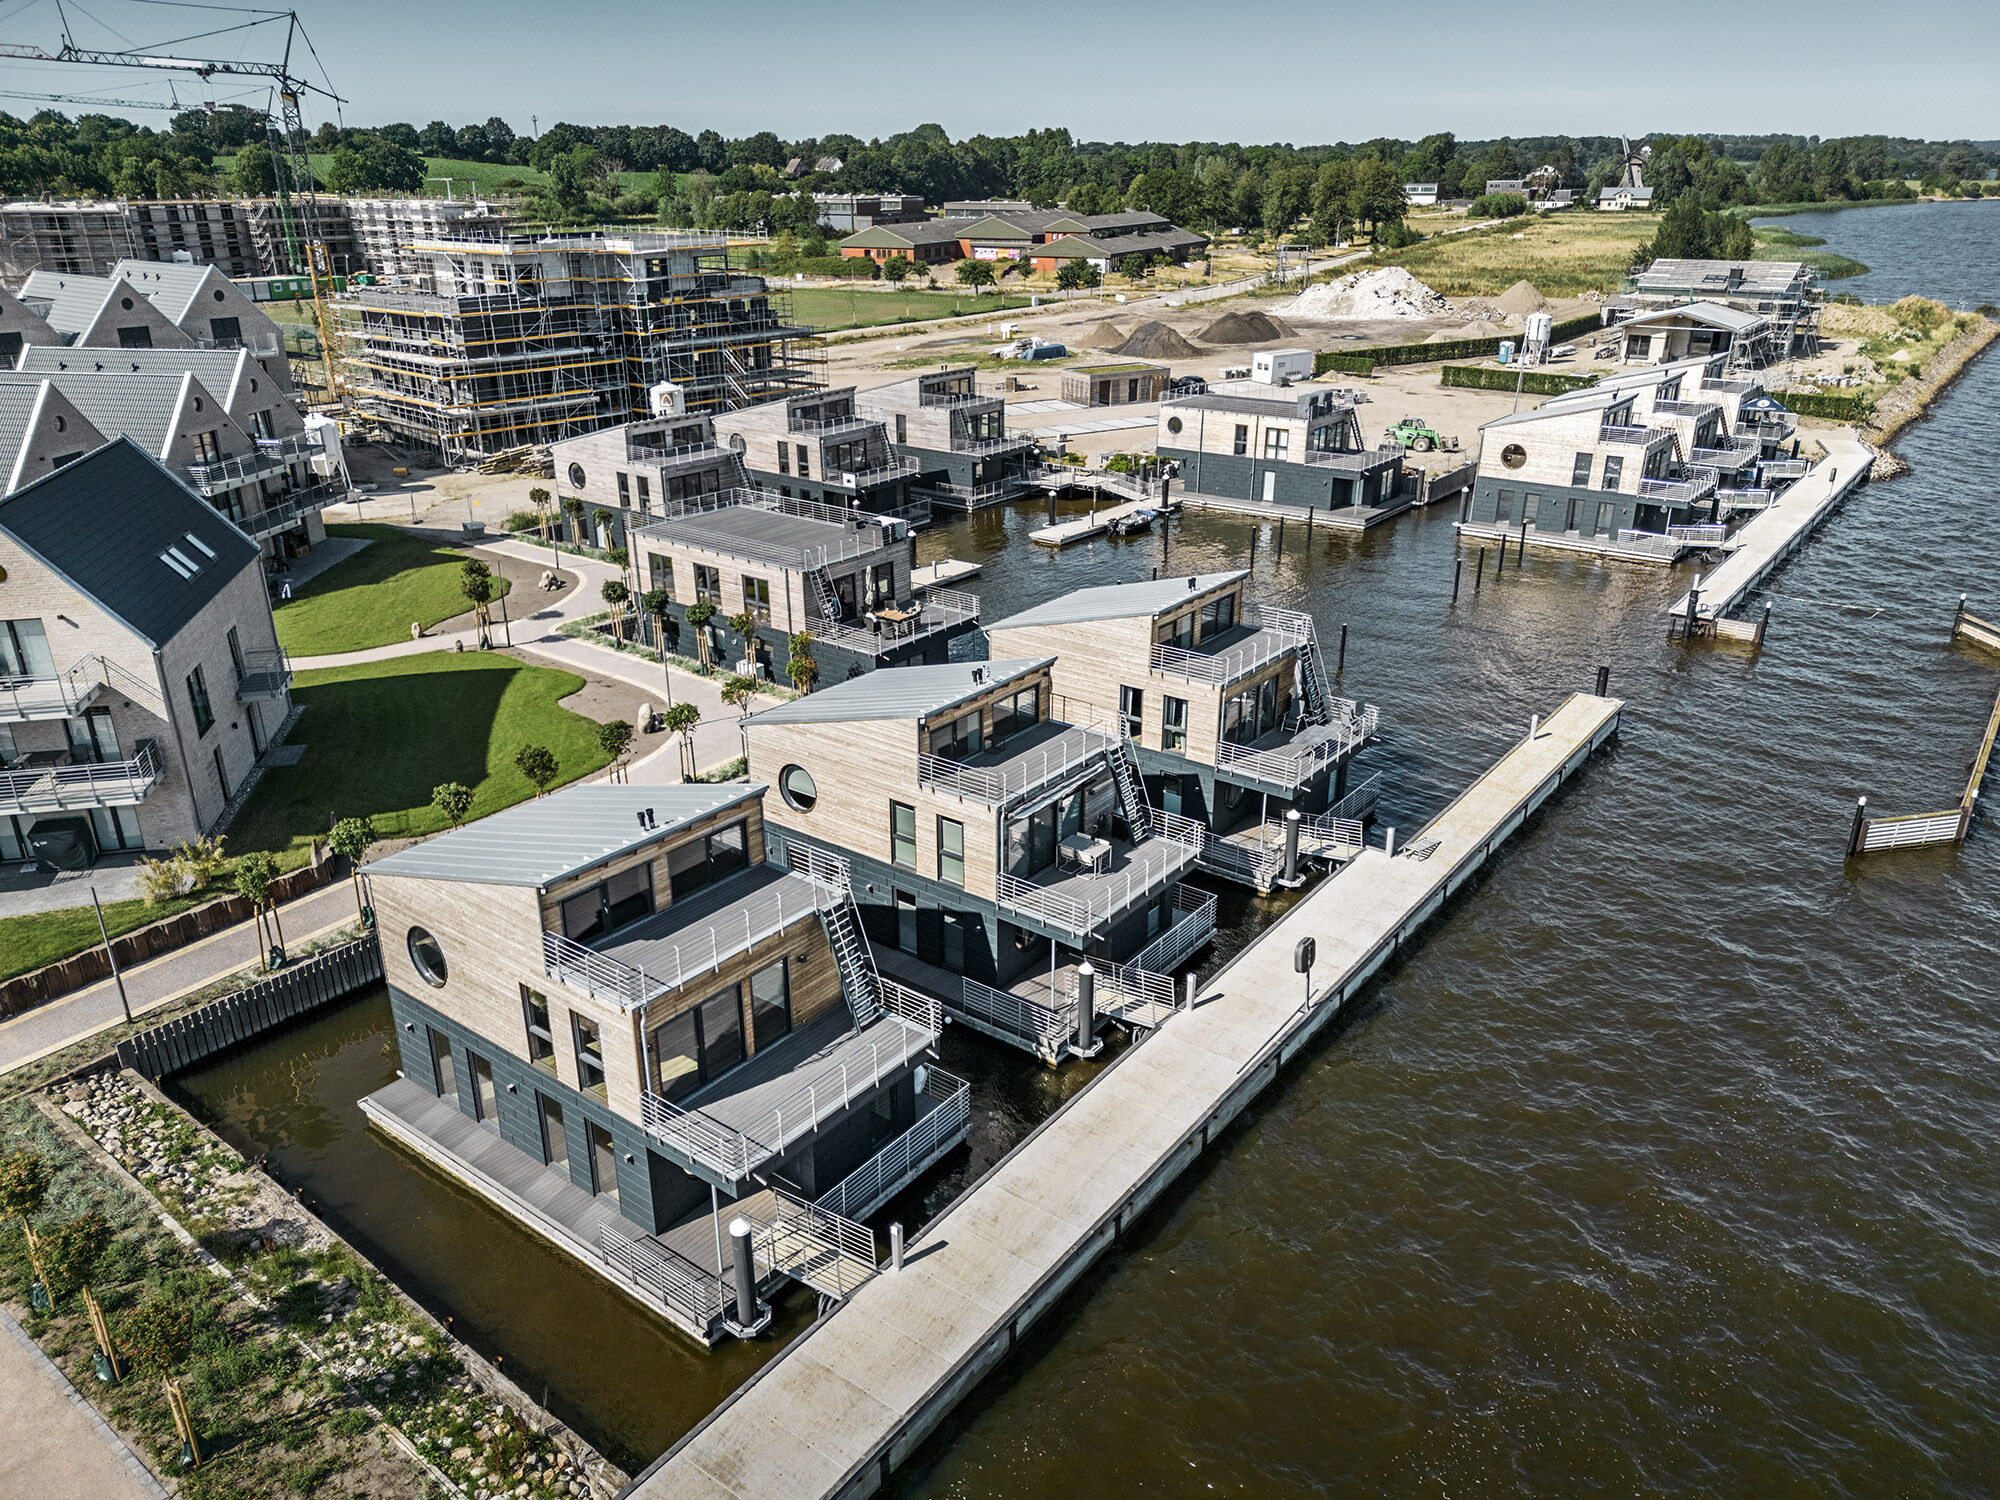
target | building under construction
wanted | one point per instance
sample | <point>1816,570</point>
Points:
<point>526,341</point>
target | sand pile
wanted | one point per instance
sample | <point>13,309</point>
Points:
<point>1105,335</point>
<point>1244,328</point>
<point>1520,299</point>
<point>1153,339</point>
<point>1391,292</point>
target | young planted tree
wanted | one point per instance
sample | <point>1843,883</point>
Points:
<point>737,693</point>
<point>745,626</point>
<point>572,507</point>
<point>680,720</point>
<point>539,764</point>
<point>615,738</point>
<point>24,1184</point>
<point>801,667</point>
<point>615,594</point>
<point>453,799</point>
<point>655,602</point>
<point>540,499</point>
<point>602,519</point>
<point>699,614</point>
<point>351,839</point>
<point>896,269</point>
<point>158,1333</point>
<point>480,588</point>
<point>71,1254</point>
<point>255,873</point>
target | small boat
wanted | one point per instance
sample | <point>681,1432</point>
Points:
<point>1133,522</point>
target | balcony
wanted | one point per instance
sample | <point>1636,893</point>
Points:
<point>272,456</point>
<point>290,509</point>
<point>855,421</point>
<point>61,697</point>
<point>960,443</point>
<point>938,609</point>
<point>28,791</point>
<point>1695,409</point>
<point>885,473</point>
<point>682,455</point>
<point>1049,752</point>
<point>263,676</point>
<point>955,398</point>
<point>760,1109</point>
<point>1644,436</point>
<point>1077,904</point>
<point>1731,387</point>
<point>944,1114</point>
<point>1677,491</point>
<point>1228,654</point>
<point>977,496</point>
<point>1361,461</point>
<point>1288,758</point>
<point>1737,453</point>
<point>655,956</point>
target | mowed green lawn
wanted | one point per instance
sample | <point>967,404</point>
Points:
<point>379,736</point>
<point>833,307</point>
<point>370,598</point>
<point>44,937</point>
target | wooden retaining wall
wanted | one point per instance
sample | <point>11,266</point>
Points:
<point>305,987</point>
<point>39,986</point>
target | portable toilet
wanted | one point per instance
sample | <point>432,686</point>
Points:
<point>1506,351</point>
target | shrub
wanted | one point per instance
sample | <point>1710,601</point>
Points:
<point>1498,206</point>
<point>523,520</point>
<point>538,763</point>
<point>453,799</point>
<point>737,691</point>
<point>614,738</point>
<point>1397,236</point>
<point>158,1333</point>
<point>24,1183</point>
<point>896,270</point>
<point>71,1253</point>
<point>1344,364</point>
<point>1533,382</point>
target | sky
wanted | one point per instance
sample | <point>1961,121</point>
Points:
<point>1309,72</point>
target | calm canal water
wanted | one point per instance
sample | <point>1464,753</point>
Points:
<point>1664,1165</point>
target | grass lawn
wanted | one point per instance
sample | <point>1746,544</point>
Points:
<point>370,598</point>
<point>380,735</point>
<point>45,937</point>
<point>834,308</point>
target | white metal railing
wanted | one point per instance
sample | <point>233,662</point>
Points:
<point>289,509</point>
<point>697,1296</point>
<point>1360,801</point>
<point>973,496</point>
<point>640,451</point>
<point>1046,1031</point>
<point>270,456</point>
<point>1092,901</point>
<point>1681,491</point>
<point>952,398</point>
<point>1650,541</point>
<point>895,468</point>
<point>1288,766</point>
<point>1733,454</point>
<point>1266,646</point>
<point>826,1250</point>
<point>1705,536</point>
<point>1193,925</point>
<point>1002,444</point>
<point>1750,499</point>
<point>1610,432</point>
<point>117,783</point>
<point>1685,408</point>
<point>1125,991</point>
<point>1360,458</point>
<point>263,674</point>
<point>941,609</point>
<point>700,951</point>
<point>1071,751</point>
<point>1734,387</point>
<point>859,417</point>
<point>864,1189</point>
<point>1252,864</point>
<point>913,1006</point>
<point>65,694</point>
<point>1787,468</point>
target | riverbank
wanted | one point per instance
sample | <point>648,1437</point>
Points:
<point>1911,401</point>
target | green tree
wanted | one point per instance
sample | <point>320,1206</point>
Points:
<point>974,273</point>
<point>158,1333</point>
<point>655,602</point>
<point>615,595</point>
<point>680,720</point>
<point>253,174</point>
<point>453,799</point>
<point>615,738</point>
<point>24,1183</point>
<point>1078,275</point>
<point>351,839</point>
<point>72,1252</point>
<point>745,626</point>
<point>573,508</point>
<point>480,588</point>
<point>737,693</point>
<point>539,498</point>
<point>698,615</point>
<point>801,668</point>
<point>897,269</point>
<point>538,763</point>
<point>255,873</point>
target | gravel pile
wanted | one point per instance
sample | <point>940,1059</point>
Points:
<point>1244,328</point>
<point>1105,335</point>
<point>1153,339</point>
<point>1521,299</point>
<point>1391,292</point>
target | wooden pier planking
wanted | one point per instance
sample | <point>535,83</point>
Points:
<point>1769,538</point>
<point>856,1394</point>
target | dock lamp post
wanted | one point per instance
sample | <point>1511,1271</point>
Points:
<point>1086,1043</point>
<point>1290,879</point>
<point>1303,956</point>
<point>747,1317</point>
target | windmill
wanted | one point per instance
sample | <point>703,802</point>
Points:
<point>1634,161</point>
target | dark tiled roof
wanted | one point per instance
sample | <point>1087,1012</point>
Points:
<point>104,522</point>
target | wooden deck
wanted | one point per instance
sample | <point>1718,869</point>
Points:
<point>856,1394</point>
<point>945,573</point>
<point>1340,517</point>
<point>1095,524</point>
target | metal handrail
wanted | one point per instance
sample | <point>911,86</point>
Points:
<point>638,450</point>
<point>827,1251</point>
<point>292,507</point>
<point>1226,665</point>
<point>263,674</point>
<point>864,1187</point>
<point>895,468</point>
<point>1705,535</point>
<point>271,454</point>
<point>1685,490</point>
<point>951,398</point>
<point>859,417</point>
<point>1000,784</point>
<point>697,1295</point>
<point>1292,767</point>
<point>1359,802</point>
<point>1685,408</point>
<point>1610,433</point>
<point>1045,1029</point>
<point>1193,925</point>
<point>1359,458</point>
<point>1003,444</point>
<point>1734,450</point>
<point>1107,894</point>
<point>105,784</point>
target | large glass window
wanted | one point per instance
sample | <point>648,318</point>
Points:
<point>1580,471</point>
<point>555,1140</point>
<point>603,1161</point>
<point>1276,441</point>
<point>951,851</point>
<point>699,1045</point>
<point>485,1102</point>
<point>589,1055</point>
<point>1614,470</point>
<point>197,688</point>
<point>1179,632</point>
<point>1218,614</point>
<point>1173,723</point>
<point>662,572</point>
<point>757,596</point>
<point>609,904</point>
<point>1131,710</point>
<point>1012,715</point>
<point>770,1004</point>
<point>1241,446</point>
<point>443,1077</point>
<point>958,740</point>
<point>541,1039</point>
<point>703,861</point>
<point>708,583</point>
<point>24,650</point>
<point>903,835</point>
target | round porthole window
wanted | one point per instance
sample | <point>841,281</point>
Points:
<point>576,475</point>
<point>795,785</point>
<point>428,957</point>
<point>62,422</point>
<point>1173,424</point>
<point>197,403</point>
<point>126,303</point>
<point>1513,455</point>
<point>218,294</point>
<point>735,442</point>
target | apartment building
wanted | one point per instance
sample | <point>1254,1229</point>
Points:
<point>386,231</point>
<point>70,239</point>
<point>994,847</point>
<point>217,418</point>
<point>1278,445</point>
<point>957,437</point>
<point>147,305</point>
<point>517,341</point>
<point>1784,292</point>
<point>793,565</point>
<point>625,1026</point>
<point>140,675</point>
<point>1223,702</point>
<point>849,213</point>
<point>1646,465</point>
<point>1695,330</point>
<point>820,446</point>
<point>240,237</point>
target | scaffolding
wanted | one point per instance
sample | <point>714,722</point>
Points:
<point>528,341</point>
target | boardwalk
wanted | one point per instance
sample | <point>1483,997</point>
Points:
<point>853,1397</point>
<point>1770,538</point>
<point>1095,524</point>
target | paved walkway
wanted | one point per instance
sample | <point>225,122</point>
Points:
<point>58,1447</point>
<point>160,981</point>
<point>856,1393</point>
<point>540,633</point>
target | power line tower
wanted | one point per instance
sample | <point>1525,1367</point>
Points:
<point>305,244</point>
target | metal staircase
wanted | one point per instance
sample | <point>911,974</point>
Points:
<point>1316,703</point>
<point>824,594</point>
<point>1131,790</point>
<point>841,918</point>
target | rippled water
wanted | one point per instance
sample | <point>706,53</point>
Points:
<point>1663,1165</point>
<point>1666,1164</point>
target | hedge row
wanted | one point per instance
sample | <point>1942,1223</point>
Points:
<point>1345,364</point>
<point>1833,408</point>
<point>1533,382</point>
<point>1424,354</point>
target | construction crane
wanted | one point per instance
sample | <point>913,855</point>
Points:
<point>91,103</point>
<point>305,245</point>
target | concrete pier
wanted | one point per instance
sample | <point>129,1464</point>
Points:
<point>1769,539</point>
<point>947,573</point>
<point>853,1397</point>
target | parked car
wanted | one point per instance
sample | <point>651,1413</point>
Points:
<point>1187,385</point>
